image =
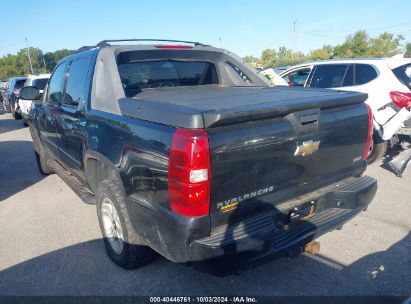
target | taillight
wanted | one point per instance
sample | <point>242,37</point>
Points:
<point>369,135</point>
<point>403,100</point>
<point>189,175</point>
<point>175,47</point>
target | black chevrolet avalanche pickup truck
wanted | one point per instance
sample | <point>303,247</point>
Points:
<point>187,151</point>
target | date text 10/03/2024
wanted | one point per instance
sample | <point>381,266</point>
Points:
<point>236,299</point>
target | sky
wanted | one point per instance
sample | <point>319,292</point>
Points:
<point>242,26</point>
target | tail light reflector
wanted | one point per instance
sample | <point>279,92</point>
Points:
<point>369,135</point>
<point>189,173</point>
<point>403,100</point>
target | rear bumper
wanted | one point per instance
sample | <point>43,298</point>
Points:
<point>261,237</point>
<point>183,239</point>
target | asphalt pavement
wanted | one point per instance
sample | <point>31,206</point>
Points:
<point>50,243</point>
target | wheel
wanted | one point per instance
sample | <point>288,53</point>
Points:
<point>378,148</point>
<point>44,168</point>
<point>12,110</point>
<point>17,116</point>
<point>7,108</point>
<point>14,113</point>
<point>122,243</point>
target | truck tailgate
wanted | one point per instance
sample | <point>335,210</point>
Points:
<point>258,164</point>
<point>260,139</point>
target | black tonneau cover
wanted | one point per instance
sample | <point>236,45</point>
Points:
<point>210,106</point>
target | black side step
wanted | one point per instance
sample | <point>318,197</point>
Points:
<point>79,188</point>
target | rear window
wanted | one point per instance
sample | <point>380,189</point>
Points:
<point>331,76</point>
<point>403,74</point>
<point>242,77</point>
<point>364,73</point>
<point>136,76</point>
<point>40,83</point>
<point>19,84</point>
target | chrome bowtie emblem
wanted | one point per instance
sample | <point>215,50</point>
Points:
<point>307,148</point>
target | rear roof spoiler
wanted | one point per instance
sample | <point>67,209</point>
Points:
<point>106,43</point>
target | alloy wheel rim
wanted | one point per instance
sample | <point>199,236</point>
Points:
<point>112,226</point>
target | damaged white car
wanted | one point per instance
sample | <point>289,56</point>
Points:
<point>387,82</point>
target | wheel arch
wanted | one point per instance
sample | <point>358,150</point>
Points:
<point>98,168</point>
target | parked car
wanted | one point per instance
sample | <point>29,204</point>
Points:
<point>13,88</point>
<point>23,106</point>
<point>386,81</point>
<point>3,85</point>
<point>189,152</point>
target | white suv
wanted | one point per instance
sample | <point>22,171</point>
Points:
<point>39,81</point>
<point>384,80</point>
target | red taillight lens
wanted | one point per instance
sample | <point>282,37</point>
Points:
<point>370,132</point>
<point>189,175</point>
<point>403,100</point>
<point>178,47</point>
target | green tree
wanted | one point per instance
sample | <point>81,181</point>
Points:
<point>283,53</point>
<point>359,44</point>
<point>408,49</point>
<point>356,45</point>
<point>60,54</point>
<point>23,62</point>
<point>325,52</point>
<point>250,59</point>
<point>268,56</point>
<point>385,45</point>
<point>50,61</point>
<point>8,66</point>
<point>52,58</point>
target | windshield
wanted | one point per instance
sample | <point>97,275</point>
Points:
<point>19,84</point>
<point>136,76</point>
<point>403,74</point>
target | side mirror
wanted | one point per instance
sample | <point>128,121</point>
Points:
<point>29,93</point>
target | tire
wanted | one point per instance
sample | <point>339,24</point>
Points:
<point>378,148</point>
<point>123,246</point>
<point>42,164</point>
<point>14,112</point>
<point>7,108</point>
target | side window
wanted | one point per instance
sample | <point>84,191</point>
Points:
<point>349,77</point>
<point>40,83</point>
<point>297,78</point>
<point>403,74</point>
<point>329,76</point>
<point>241,75</point>
<point>75,83</point>
<point>55,87</point>
<point>364,73</point>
